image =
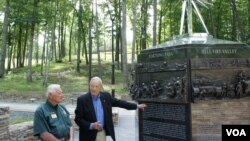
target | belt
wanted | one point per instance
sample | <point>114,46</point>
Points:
<point>100,130</point>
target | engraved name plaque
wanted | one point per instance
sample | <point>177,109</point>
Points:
<point>165,122</point>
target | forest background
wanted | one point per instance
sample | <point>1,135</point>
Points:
<point>69,41</point>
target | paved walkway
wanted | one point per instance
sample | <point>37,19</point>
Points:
<point>125,130</point>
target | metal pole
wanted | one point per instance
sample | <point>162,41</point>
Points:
<point>113,62</point>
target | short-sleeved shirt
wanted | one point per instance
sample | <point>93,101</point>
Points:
<point>52,119</point>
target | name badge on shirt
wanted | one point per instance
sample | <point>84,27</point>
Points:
<point>53,115</point>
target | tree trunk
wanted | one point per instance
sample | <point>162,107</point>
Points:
<point>37,47</point>
<point>85,47</point>
<point>124,45</point>
<point>160,26</point>
<point>248,27</point>
<point>144,24</point>
<point>90,48</point>
<point>47,61</point>
<point>171,24</point>
<point>63,32</point>
<point>32,31</point>
<point>11,45</point>
<point>19,46</point>
<point>117,7</point>
<point>4,38</point>
<point>23,55</point>
<point>43,51</point>
<point>234,31</point>
<point>13,54</point>
<point>100,72</point>
<point>10,58</point>
<point>154,21</point>
<point>218,24</point>
<point>70,36</point>
<point>53,36</point>
<point>238,21</point>
<point>212,22</point>
<point>79,37</point>
<point>134,32</point>
<point>90,42</point>
<point>29,71</point>
<point>59,43</point>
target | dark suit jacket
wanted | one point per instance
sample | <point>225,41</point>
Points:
<point>85,114</point>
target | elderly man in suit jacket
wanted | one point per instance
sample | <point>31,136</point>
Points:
<point>93,113</point>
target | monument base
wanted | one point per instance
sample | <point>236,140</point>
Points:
<point>209,116</point>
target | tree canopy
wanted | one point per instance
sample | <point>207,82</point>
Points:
<point>38,32</point>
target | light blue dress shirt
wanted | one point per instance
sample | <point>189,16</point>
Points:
<point>98,110</point>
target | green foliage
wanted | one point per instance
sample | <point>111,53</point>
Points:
<point>54,16</point>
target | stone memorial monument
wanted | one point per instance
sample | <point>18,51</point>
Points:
<point>183,79</point>
<point>183,71</point>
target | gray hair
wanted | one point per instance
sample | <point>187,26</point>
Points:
<point>52,89</point>
<point>96,79</point>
